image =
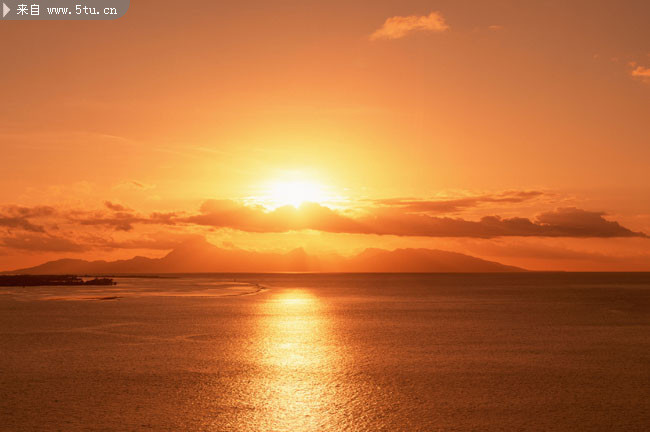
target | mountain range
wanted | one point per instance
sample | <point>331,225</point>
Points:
<point>200,256</point>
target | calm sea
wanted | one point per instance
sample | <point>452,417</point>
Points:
<point>500,352</point>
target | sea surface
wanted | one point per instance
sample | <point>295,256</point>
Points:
<point>296,352</point>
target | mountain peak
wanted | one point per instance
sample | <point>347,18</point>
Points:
<point>192,246</point>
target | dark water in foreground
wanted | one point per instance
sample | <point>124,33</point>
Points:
<point>551,352</point>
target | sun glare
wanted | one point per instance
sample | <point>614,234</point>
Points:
<point>294,193</point>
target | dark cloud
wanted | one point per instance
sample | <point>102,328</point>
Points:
<point>156,241</point>
<point>115,207</point>
<point>41,243</point>
<point>28,212</point>
<point>20,223</point>
<point>564,222</point>
<point>230,214</point>
<point>124,221</point>
<point>397,217</point>
<point>17,217</point>
<point>582,223</point>
<point>119,221</point>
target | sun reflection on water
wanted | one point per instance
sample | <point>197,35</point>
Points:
<point>299,363</point>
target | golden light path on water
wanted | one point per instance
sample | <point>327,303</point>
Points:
<point>300,362</point>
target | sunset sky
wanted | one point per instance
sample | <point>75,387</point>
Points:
<point>512,131</point>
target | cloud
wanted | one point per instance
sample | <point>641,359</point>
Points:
<point>398,217</point>
<point>582,223</point>
<point>115,207</point>
<point>642,73</point>
<point>133,184</point>
<point>124,220</point>
<point>28,212</point>
<point>231,214</point>
<point>161,240</point>
<point>83,242</point>
<point>17,217</point>
<point>20,223</point>
<point>457,204</point>
<point>76,230</point>
<point>564,222</point>
<point>41,243</point>
<point>398,27</point>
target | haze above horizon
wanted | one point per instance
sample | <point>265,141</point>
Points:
<point>514,132</point>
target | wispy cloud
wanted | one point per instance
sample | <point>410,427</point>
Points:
<point>125,220</point>
<point>398,27</point>
<point>132,184</point>
<point>457,204</point>
<point>41,243</point>
<point>640,72</point>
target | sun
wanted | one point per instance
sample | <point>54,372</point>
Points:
<point>294,193</point>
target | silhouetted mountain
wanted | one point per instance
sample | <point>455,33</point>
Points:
<point>421,260</point>
<point>199,256</point>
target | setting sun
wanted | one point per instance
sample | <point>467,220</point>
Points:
<point>295,193</point>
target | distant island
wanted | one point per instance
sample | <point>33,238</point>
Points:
<point>51,280</point>
<point>200,256</point>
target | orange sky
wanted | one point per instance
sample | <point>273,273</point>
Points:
<point>408,121</point>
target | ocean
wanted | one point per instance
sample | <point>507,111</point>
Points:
<point>329,352</point>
